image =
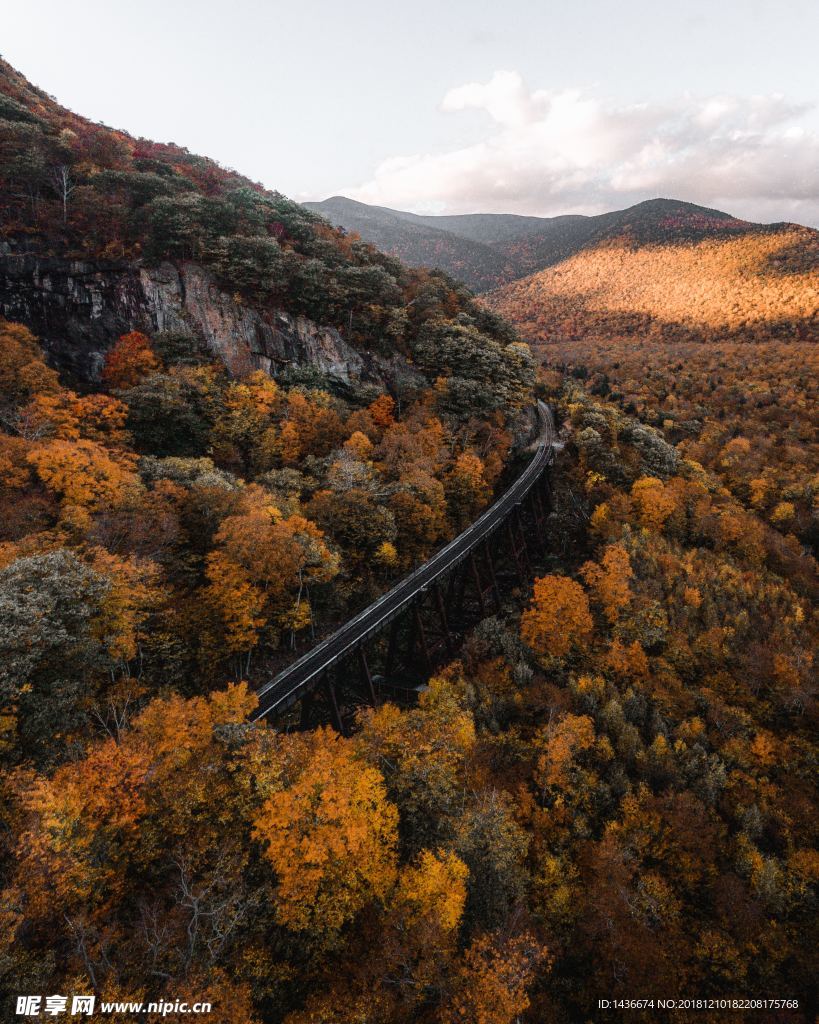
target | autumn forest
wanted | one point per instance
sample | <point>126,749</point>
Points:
<point>608,790</point>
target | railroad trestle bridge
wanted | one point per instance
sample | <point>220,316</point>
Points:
<point>391,645</point>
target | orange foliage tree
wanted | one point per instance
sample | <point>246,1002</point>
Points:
<point>129,361</point>
<point>263,564</point>
<point>558,617</point>
<point>609,580</point>
<point>490,986</point>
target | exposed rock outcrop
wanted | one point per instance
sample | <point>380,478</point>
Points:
<point>79,308</point>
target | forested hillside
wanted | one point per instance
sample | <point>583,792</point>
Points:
<point>177,525</point>
<point>713,341</point>
<point>73,189</point>
<point>490,250</point>
<point>683,344</point>
<point>755,286</point>
<point>609,792</point>
<point>421,241</point>
<point>749,412</point>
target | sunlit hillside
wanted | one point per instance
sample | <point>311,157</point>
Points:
<point>749,413</point>
<point>756,285</point>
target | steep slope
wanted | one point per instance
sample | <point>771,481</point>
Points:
<point>100,230</point>
<point>700,281</point>
<point>77,306</point>
<point>235,427</point>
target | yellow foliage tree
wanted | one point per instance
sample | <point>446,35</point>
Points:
<point>260,568</point>
<point>359,445</point>
<point>382,411</point>
<point>239,603</point>
<point>133,593</point>
<point>467,489</point>
<point>329,832</point>
<point>653,500</point>
<point>433,889</point>
<point>83,474</point>
<point>23,373</point>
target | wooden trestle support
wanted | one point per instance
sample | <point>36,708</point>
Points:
<point>429,631</point>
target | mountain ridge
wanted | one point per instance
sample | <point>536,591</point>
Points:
<point>408,237</point>
<point>491,250</point>
<point>753,285</point>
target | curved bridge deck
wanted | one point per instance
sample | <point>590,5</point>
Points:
<point>304,675</point>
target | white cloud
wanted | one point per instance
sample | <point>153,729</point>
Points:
<point>565,152</point>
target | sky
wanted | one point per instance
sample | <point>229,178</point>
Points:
<point>456,106</point>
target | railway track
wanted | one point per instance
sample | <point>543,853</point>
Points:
<point>305,674</point>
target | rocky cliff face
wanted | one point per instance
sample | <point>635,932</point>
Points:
<point>78,309</point>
